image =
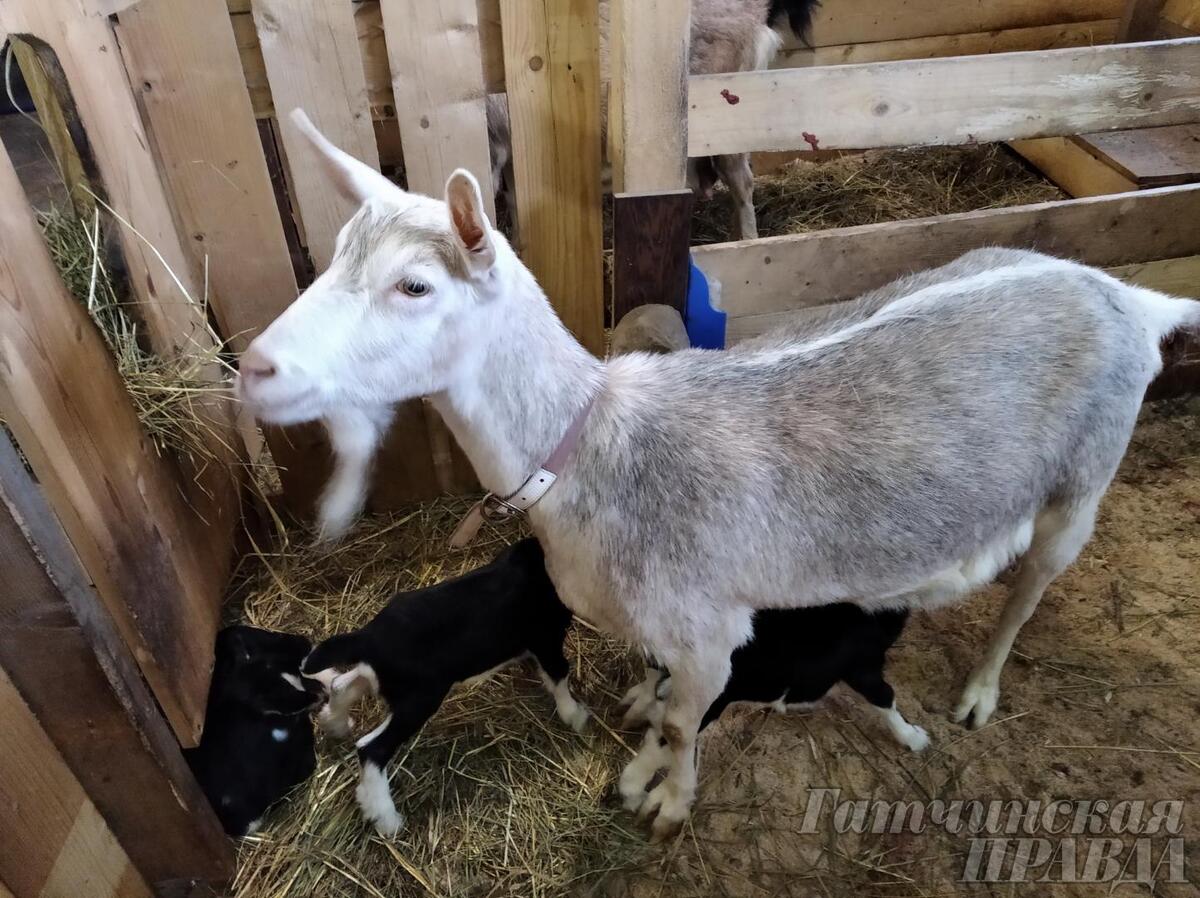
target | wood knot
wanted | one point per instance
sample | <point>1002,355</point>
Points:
<point>536,63</point>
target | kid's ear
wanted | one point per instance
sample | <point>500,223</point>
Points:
<point>354,180</point>
<point>469,222</point>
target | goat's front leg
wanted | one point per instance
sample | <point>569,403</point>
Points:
<point>355,435</point>
<point>697,680</point>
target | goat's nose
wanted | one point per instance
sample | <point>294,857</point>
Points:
<point>256,364</point>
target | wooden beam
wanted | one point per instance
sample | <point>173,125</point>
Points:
<point>647,101</point>
<point>66,658</point>
<point>551,53</point>
<point>651,249</point>
<point>55,841</point>
<point>310,48</point>
<point>1072,167</point>
<point>1011,40</point>
<point>1139,20</point>
<point>120,501</point>
<point>867,21</point>
<point>438,80</point>
<point>775,274</point>
<point>936,101</point>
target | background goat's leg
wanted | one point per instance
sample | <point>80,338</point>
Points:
<point>1059,534</point>
<point>735,172</point>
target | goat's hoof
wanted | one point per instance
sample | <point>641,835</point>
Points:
<point>577,720</point>
<point>664,829</point>
<point>652,802</point>
<point>388,824</point>
<point>977,704</point>
<point>916,739</point>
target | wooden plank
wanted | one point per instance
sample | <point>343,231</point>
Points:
<point>1069,165</point>
<point>551,57</point>
<point>1010,40</point>
<point>437,76</point>
<point>1184,14</point>
<point>932,102</point>
<point>647,102</point>
<point>55,842</point>
<point>372,46</point>
<point>778,273</point>
<point>936,101</point>
<point>65,657</point>
<point>868,21</point>
<point>651,249</point>
<point>310,48</point>
<point>1139,20</point>
<point>119,500</point>
<point>1151,157</point>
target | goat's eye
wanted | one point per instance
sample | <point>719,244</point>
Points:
<point>412,287</point>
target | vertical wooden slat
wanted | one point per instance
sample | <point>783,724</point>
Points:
<point>119,500</point>
<point>650,249</point>
<point>65,657</point>
<point>311,52</point>
<point>437,78</point>
<point>647,111</point>
<point>54,841</point>
<point>551,62</point>
<point>183,59</point>
<point>1139,20</point>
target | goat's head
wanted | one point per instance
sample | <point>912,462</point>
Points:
<point>392,315</point>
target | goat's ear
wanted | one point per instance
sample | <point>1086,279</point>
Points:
<point>469,222</point>
<point>354,180</point>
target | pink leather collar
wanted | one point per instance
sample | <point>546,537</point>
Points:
<point>492,507</point>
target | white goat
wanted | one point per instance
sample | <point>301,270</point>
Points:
<point>726,36</point>
<point>896,454</point>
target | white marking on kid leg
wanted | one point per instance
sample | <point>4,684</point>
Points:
<point>293,681</point>
<point>909,735</point>
<point>638,772</point>
<point>255,826</point>
<point>375,800</point>
<point>279,735</point>
<point>364,741</point>
<point>570,712</point>
<point>641,699</point>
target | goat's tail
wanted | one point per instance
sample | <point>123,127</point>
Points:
<point>1164,315</point>
<point>344,650</point>
<point>799,15</point>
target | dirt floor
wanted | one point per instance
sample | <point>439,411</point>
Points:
<point>1100,701</point>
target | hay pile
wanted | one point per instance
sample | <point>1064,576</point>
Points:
<point>880,185</point>
<point>500,797</point>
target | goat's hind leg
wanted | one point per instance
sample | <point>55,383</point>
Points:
<point>1059,533</point>
<point>736,173</point>
<point>875,689</point>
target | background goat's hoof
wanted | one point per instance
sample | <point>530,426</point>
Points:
<point>977,704</point>
<point>389,824</point>
<point>577,719</point>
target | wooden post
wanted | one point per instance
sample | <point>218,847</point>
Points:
<point>1139,20</point>
<point>651,249</point>
<point>552,65</point>
<point>120,501</point>
<point>437,77</point>
<point>55,841</point>
<point>65,657</point>
<point>648,149</point>
<point>647,106</point>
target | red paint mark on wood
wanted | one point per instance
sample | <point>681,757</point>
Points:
<point>811,140</point>
<point>731,99</point>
